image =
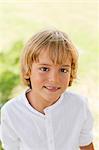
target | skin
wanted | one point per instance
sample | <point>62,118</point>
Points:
<point>88,147</point>
<point>48,82</point>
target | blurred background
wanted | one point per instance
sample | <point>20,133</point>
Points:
<point>20,19</point>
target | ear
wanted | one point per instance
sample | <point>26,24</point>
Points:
<point>26,76</point>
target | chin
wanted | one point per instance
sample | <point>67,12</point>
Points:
<point>52,99</point>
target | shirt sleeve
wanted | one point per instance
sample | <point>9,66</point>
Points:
<point>9,138</point>
<point>86,136</point>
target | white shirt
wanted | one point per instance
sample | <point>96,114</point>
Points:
<point>66,125</point>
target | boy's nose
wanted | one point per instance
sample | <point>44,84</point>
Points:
<point>54,77</point>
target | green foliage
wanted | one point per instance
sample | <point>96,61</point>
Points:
<point>1,147</point>
<point>8,81</point>
<point>9,70</point>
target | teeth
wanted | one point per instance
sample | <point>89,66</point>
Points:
<point>50,88</point>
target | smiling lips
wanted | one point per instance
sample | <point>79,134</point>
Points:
<point>52,88</point>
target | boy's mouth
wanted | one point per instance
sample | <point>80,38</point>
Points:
<point>52,88</point>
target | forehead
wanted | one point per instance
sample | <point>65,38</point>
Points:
<point>45,57</point>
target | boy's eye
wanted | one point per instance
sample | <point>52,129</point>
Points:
<point>44,69</point>
<point>64,70</point>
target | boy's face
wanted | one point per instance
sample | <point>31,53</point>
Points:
<point>48,80</point>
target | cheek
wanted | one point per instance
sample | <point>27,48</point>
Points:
<point>65,80</point>
<point>38,79</point>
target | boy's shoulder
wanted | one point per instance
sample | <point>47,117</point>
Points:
<point>74,97</point>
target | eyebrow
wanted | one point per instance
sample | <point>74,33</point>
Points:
<point>66,65</point>
<point>44,64</point>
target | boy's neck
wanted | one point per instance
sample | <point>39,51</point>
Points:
<point>37,103</point>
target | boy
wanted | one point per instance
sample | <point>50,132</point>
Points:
<point>47,116</point>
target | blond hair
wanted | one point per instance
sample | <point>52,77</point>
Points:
<point>59,46</point>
